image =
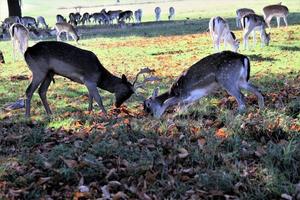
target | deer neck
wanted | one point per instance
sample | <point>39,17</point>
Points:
<point>110,83</point>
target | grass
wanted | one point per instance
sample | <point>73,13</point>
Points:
<point>254,155</point>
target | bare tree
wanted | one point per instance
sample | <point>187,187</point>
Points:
<point>14,7</point>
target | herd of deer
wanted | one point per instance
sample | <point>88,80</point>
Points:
<point>228,70</point>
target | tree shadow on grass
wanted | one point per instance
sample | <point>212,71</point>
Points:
<point>289,48</point>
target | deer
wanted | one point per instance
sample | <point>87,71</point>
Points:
<point>85,18</point>
<point>48,58</point>
<point>241,12</point>
<point>10,21</point>
<point>19,35</point>
<point>60,18</point>
<point>2,61</point>
<point>171,13</point>
<point>41,21</point>
<point>228,70</point>
<point>125,15</point>
<point>112,14</point>
<point>138,15</point>
<point>278,11</point>
<point>219,29</point>
<point>28,22</point>
<point>68,29</point>
<point>157,11</point>
<point>250,22</point>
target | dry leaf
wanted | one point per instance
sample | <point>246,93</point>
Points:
<point>183,153</point>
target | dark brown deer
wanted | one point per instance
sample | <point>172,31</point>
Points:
<point>46,59</point>
<point>2,61</point>
<point>228,70</point>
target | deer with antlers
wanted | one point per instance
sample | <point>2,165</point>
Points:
<point>227,70</point>
<point>46,59</point>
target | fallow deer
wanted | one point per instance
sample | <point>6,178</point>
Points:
<point>85,18</point>
<point>250,23</point>
<point>19,36</point>
<point>2,61</point>
<point>277,11</point>
<point>138,15</point>
<point>125,15</point>
<point>28,22</point>
<point>240,13</point>
<point>49,58</point>
<point>227,69</point>
<point>60,19</point>
<point>40,20</point>
<point>157,11</point>
<point>219,29</point>
<point>67,28</point>
<point>171,13</point>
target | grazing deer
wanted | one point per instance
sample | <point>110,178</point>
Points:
<point>19,36</point>
<point>241,13</point>
<point>72,19</point>
<point>60,19</point>
<point>171,13</point>
<point>85,18</point>
<point>112,15</point>
<point>277,11</point>
<point>41,21</point>
<point>138,15</point>
<point>28,22</point>
<point>10,21</point>
<point>46,59</point>
<point>219,29</point>
<point>157,11</point>
<point>125,15</point>
<point>68,29</point>
<point>227,69</point>
<point>2,61</point>
<point>250,22</point>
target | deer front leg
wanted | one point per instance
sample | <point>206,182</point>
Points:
<point>93,91</point>
<point>285,21</point>
<point>58,36</point>
<point>245,38</point>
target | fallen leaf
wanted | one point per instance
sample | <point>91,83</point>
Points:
<point>183,153</point>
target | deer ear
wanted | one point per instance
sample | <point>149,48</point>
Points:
<point>124,79</point>
<point>155,92</point>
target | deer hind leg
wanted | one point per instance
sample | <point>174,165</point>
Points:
<point>285,21</point>
<point>43,91</point>
<point>253,89</point>
<point>245,38</point>
<point>94,93</point>
<point>278,22</point>
<point>37,79</point>
<point>233,90</point>
<point>58,36</point>
<point>90,108</point>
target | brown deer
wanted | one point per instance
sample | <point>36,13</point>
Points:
<point>62,27</point>
<point>227,69</point>
<point>241,12</point>
<point>46,59</point>
<point>277,11</point>
<point>250,23</point>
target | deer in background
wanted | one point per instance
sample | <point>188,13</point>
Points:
<point>2,61</point>
<point>240,13</point>
<point>250,23</point>
<point>125,15</point>
<point>171,13</point>
<point>41,21</point>
<point>227,70</point>
<point>19,36</point>
<point>67,28</point>
<point>46,59</point>
<point>138,15</point>
<point>60,19</point>
<point>277,11</point>
<point>28,22</point>
<point>219,29</point>
<point>157,11</point>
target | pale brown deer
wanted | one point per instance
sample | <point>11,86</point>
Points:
<point>240,13</point>
<point>19,36</point>
<point>227,70</point>
<point>278,11</point>
<point>64,27</point>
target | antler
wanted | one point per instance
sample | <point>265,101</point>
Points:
<point>145,70</point>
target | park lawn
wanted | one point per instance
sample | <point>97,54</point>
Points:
<point>208,150</point>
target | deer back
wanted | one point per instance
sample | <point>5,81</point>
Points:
<point>274,10</point>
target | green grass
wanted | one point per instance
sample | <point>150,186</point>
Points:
<point>256,158</point>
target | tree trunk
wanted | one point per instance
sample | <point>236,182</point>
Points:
<point>14,8</point>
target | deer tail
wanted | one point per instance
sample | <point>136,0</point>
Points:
<point>246,63</point>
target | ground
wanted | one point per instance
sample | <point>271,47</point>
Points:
<point>207,151</point>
